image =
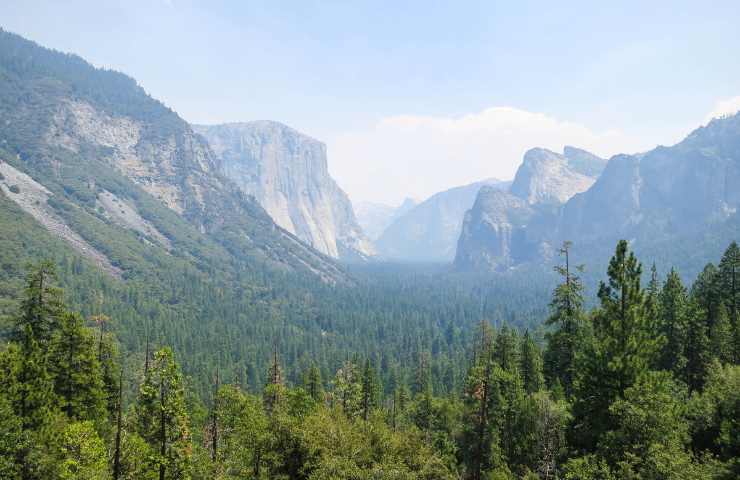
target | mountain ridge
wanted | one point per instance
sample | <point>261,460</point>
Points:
<point>668,193</point>
<point>92,136</point>
<point>287,173</point>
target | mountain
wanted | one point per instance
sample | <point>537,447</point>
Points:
<point>287,173</point>
<point>374,218</point>
<point>429,231</point>
<point>546,177</point>
<point>505,228</point>
<point>122,178</point>
<point>685,195</point>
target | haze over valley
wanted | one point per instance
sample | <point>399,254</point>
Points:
<point>318,241</point>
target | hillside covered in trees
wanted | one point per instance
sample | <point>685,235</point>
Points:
<point>644,385</point>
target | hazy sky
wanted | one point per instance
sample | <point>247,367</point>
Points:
<point>416,97</point>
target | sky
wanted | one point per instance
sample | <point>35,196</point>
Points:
<point>414,97</point>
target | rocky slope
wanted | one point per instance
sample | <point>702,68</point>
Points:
<point>668,191</point>
<point>287,173</point>
<point>546,177</point>
<point>126,174</point>
<point>506,228</point>
<point>374,218</point>
<point>429,231</point>
<point>681,195</point>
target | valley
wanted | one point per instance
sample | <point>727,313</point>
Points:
<point>190,301</point>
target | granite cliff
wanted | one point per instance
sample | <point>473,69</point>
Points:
<point>287,173</point>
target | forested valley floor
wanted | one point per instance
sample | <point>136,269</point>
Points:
<point>644,385</point>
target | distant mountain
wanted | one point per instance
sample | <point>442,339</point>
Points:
<point>683,195</point>
<point>429,231</point>
<point>502,227</point>
<point>287,173</point>
<point>122,178</point>
<point>374,218</point>
<point>546,177</point>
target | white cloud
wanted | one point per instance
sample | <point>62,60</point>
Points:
<point>728,106</point>
<point>417,156</point>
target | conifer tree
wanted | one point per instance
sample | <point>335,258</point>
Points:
<point>673,324</point>
<point>506,349</point>
<point>721,337</point>
<point>274,387</point>
<point>483,411</point>
<point>313,383</point>
<point>348,389</point>
<point>11,439</point>
<point>706,293</point>
<point>74,365</point>
<point>624,328</point>
<point>119,429</point>
<point>566,314</point>
<point>370,389</point>
<point>729,278</point>
<point>623,348</point>
<point>161,417</point>
<point>33,396</point>
<point>531,364</point>
<point>696,348</point>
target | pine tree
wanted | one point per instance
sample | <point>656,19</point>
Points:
<point>673,324</point>
<point>119,430</point>
<point>696,348</point>
<point>623,348</point>
<point>478,436</point>
<point>531,364</point>
<point>566,313</point>
<point>41,307</point>
<point>313,383</point>
<point>370,390</point>
<point>706,292</point>
<point>483,410</point>
<point>11,439</point>
<point>347,389</point>
<point>624,327</point>
<point>74,365</point>
<point>274,387</point>
<point>729,273</point>
<point>33,396</point>
<point>721,337</point>
<point>506,349</point>
<point>423,376</point>
<point>161,417</point>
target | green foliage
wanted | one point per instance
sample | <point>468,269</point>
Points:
<point>678,422</point>
<point>161,417</point>
<point>10,439</point>
<point>84,453</point>
<point>623,347</point>
<point>651,430</point>
<point>531,364</point>
<point>77,373</point>
<point>566,313</point>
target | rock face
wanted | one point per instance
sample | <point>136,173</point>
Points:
<point>123,176</point>
<point>505,228</point>
<point>429,231</point>
<point>685,194</point>
<point>286,172</point>
<point>667,192</point>
<point>374,218</point>
<point>494,231</point>
<point>546,177</point>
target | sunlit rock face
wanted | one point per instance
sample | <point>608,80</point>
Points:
<point>287,174</point>
<point>506,228</point>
